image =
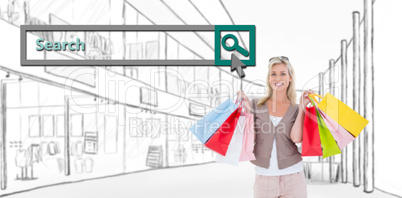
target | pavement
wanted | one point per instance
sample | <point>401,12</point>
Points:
<point>206,180</point>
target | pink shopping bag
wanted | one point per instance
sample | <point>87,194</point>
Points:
<point>340,134</point>
<point>247,153</point>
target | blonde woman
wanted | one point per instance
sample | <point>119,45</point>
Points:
<point>278,126</point>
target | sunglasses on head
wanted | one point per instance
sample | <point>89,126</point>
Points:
<point>280,57</point>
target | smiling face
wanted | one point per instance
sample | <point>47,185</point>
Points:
<point>279,78</point>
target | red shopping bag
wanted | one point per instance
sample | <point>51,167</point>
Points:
<point>220,140</point>
<point>311,145</point>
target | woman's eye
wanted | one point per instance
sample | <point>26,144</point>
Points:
<point>283,74</point>
<point>273,74</point>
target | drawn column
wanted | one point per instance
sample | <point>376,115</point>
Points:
<point>356,93</point>
<point>321,83</point>
<point>332,91</point>
<point>322,90</point>
<point>344,91</point>
<point>66,136</point>
<point>368,99</point>
<point>360,106</point>
<point>3,164</point>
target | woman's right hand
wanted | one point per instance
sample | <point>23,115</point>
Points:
<point>247,102</point>
<point>304,99</point>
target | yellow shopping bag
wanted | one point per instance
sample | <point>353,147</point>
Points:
<point>342,114</point>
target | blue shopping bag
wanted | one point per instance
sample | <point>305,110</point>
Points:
<point>207,126</point>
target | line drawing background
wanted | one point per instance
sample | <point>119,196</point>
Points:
<point>104,139</point>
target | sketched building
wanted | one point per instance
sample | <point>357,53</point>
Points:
<point>66,124</point>
<point>63,124</point>
<point>368,162</point>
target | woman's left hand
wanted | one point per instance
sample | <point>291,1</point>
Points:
<point>304,100</point>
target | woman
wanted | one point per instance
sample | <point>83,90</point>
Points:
<point>278,126</point>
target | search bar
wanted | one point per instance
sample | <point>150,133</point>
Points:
<point>219,42</point>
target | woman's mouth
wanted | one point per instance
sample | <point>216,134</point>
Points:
<point>278,84</point>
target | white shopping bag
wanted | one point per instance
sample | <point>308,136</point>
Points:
<point>234,150</point>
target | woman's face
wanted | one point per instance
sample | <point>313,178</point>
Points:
<point>279,78</point>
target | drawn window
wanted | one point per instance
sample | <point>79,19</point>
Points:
<point>226,84</point>
<point>48,125</point>
<point>152,127</point>
<point>77,125</point>
<point>172,130</point>
<point>111,124</point>
<point>131,72</point>
<point>34,126</point>
<point>87,78</point>
<point>60,125</point>
<point>135,50</point>
<point>134,72</point>
<point>135,127</point>
<point>202,94</point>
<point>152,50</point>
<point>158,77</point>
<point>183,129</point>
<point>197,110</point>
<point>183,86</point>
<point>213,75</point>
<point>235,84</point>
<point>187,72</point>
<point>149,96</point>
<point>201,73</point>
<point>173,86</point>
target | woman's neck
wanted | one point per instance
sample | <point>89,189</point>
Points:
<point>279,97</point>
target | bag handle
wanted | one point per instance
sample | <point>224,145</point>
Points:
<point>239,103</point>
<point>237,98</point>
<point>312,97</point>
<point>243,111</point>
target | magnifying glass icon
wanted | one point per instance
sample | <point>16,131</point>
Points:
<point>235,46</point>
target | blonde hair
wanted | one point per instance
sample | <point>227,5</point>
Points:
<point>291,90</point>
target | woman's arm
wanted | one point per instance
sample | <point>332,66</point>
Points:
<point>245,100</point>
<point>296,134</point>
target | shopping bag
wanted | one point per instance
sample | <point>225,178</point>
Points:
<point>341,135</point>
<point>342,114</point>
<point>247,153</point>
<point>328,143</point>
<point>311,144</point>
<point>207,126</point>
<point>235,147</point>
<point>220,140</point>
